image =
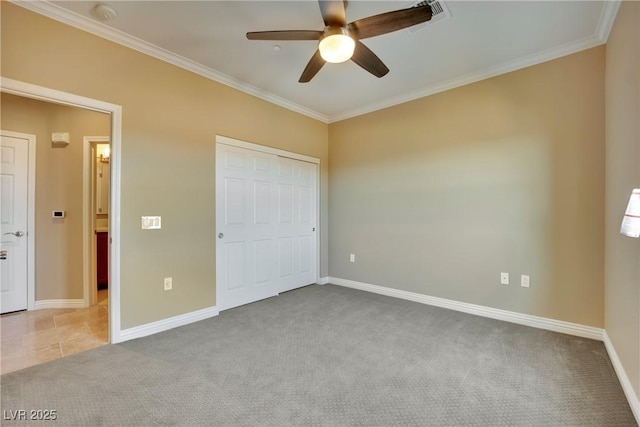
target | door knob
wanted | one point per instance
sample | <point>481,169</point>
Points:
<point>16,233</point>
<point>220,235</point>
<point>3,255</point>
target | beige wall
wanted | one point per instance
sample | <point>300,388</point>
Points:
<point>622,254</point>
<point>170,119</point>
<point>58,251</point>
<point>440,195</point>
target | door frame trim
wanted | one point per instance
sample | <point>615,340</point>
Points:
<point>31,214</point>
<point>220,139</point>
<point>264,149</point>
<point>28,90</point>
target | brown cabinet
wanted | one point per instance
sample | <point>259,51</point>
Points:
<point>102,254</point>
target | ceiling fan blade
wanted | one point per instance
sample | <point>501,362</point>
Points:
<point>285,35</point>
<point>315,64</point>
<point>364,57</point>
<point>390,21</point>
<point>334,12</point>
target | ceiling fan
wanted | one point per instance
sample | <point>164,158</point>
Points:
<point>339,41</point>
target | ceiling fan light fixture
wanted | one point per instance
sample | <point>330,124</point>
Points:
<point>340,39</point>
<point>336,45</point>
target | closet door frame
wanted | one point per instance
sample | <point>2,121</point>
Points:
<point>223,140</point>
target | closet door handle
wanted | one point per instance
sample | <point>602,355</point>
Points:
<point>220,235</point>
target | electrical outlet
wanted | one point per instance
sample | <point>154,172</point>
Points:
<point>168,283</point>
<point>504,278</point>
<point>524,281</point>
<point>352,258</point>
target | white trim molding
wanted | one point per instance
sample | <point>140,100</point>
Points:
<point>59,303</point>
<point>166,324</point>
<point>479,75</point>
<point>607,18</point>
<point>220,139</point>
<point>629,392</point>
<point>479,310</point>
<point>323,280</point>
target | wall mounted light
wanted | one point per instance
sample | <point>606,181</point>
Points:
<point>631,221</point>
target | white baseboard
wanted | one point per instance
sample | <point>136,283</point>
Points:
<point>59,303</point>
<point>632,397</point>
<point>166,324</point>
<point>479,310</point>
<point>323,280</point>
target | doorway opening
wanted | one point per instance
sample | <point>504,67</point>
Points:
<point>97,180</point>
<point>26,90</point>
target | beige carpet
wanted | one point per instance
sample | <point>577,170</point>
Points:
<point>331,356</point>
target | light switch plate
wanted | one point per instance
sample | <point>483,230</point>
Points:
<point>151,222</point>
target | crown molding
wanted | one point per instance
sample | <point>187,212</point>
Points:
<point>601,35</point>
<point>607,18</point>
<point>80,22</point>
<point>605,23</point>
<point>50,10</point>
<point>507,67</point>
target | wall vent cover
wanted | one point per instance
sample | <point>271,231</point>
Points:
<point>439,9</point>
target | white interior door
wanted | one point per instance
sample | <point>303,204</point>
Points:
<point>14,175</point>
<point>297,223</point>
<point>266,224</point>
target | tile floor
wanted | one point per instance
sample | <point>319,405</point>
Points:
<point>29,338</point>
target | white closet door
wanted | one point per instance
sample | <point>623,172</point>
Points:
<point>266,225</point>
<point>297,223</point>
<point>246,226</point>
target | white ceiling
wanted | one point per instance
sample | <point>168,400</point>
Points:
<point>480,39</point>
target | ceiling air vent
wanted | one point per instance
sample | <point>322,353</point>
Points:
<point>439,10</point>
